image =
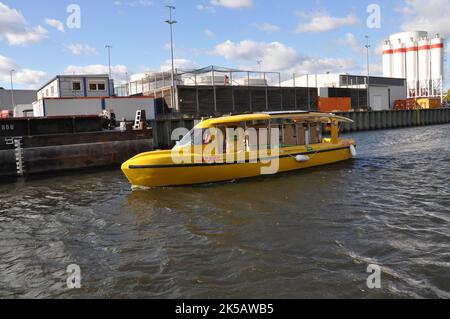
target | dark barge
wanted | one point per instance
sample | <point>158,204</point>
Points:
<point>43,145</point>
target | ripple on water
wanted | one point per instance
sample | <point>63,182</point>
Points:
<point>310,233</point>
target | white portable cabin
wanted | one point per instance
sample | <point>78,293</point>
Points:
<point>70,86</point>
<point>122,107</point>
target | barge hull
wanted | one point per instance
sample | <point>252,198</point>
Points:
<point>44,154</point>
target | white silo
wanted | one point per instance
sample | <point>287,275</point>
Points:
<point>412,67</point>
<point>388,59</point>
<point>424,66</point>
<point>437,64</point>
<point>399,70</point>
<point>405,37</point>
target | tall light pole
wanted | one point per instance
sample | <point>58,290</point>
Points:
<point>127,86</point>
<point>12,87</point>
<point>109,47</point>
<point>260,68</point>
<point>171,22</point>
<point>367,46</point>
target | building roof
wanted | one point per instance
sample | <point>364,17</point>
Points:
<point>219,69</point>
<point>75,76</point>
<point>354,80</point>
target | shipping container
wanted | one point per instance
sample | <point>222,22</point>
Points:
<point>336,104</point>
<point>429,103</point>
<point>400,105</point>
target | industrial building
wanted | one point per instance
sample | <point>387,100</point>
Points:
<point>419,59</point>
<point>72,86</point>
<point>216,90</point>
<point>383,92</point>
<point>9,100</point>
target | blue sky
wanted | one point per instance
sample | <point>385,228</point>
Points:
<point>288,36</point>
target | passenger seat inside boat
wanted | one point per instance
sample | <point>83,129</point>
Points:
<point>316,133</point>
<point>301,134</point>
<point>289,135</point>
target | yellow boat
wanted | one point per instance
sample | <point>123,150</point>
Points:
<point>243,146</point>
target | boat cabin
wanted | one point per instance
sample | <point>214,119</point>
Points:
<point>294,129</point>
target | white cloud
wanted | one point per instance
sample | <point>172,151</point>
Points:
<point>15,28</point>
<point>209,33</point>
<point>29,37</point>
<point>351,41</point>
<point>324,65</point>
<point>118,71</point>
<point>56,24</point>
<point>323,22</point>
<point>182,64</point>
<point>233,4</point>
<point>138,3</point>
<point>7,64</point>
<point>277,57</point>
<point>22,76</point>
<point>81,48</point>
<point>267,27</point>
<point>30,78</point>
<point>427,15</point>
<point>375,69</point>
<point>202,7</point>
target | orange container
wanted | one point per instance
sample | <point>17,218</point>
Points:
<point>335,104</point>
<point>400,105</point>
<point>411,104</point>
<point>429,103</point>
<point>4,114</point>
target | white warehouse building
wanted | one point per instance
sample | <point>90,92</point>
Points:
<point>383,91</point>
<point>418,59</point>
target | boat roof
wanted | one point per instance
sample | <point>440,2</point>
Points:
<point>265,116</point>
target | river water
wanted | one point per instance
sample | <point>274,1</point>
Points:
<point>305,234</point>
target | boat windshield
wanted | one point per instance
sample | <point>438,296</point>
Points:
<point>194,137</point>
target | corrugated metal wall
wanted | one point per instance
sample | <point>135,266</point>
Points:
<point>207,100</point>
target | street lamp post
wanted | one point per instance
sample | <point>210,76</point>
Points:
<point>260,67</point>
<point>127,86</point>
<point>171,22</point>
<point>367,46</point>
<point>109,47</point>
<point>12,88</point>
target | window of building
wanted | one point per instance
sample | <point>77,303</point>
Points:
<point>52,90</point>
<point>76,86</point>
<point>97,86</point>
<point>46,93</point>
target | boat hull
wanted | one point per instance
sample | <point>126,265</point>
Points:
<point>142,171</point>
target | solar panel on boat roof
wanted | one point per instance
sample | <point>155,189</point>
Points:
<point>285,112</point>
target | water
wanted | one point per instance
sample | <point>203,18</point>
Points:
<point>307,234</point>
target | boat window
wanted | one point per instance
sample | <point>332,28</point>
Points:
<point>302,133</point>
<point>207,137</point>
<point>256,142</point>
<point>196,137</point>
